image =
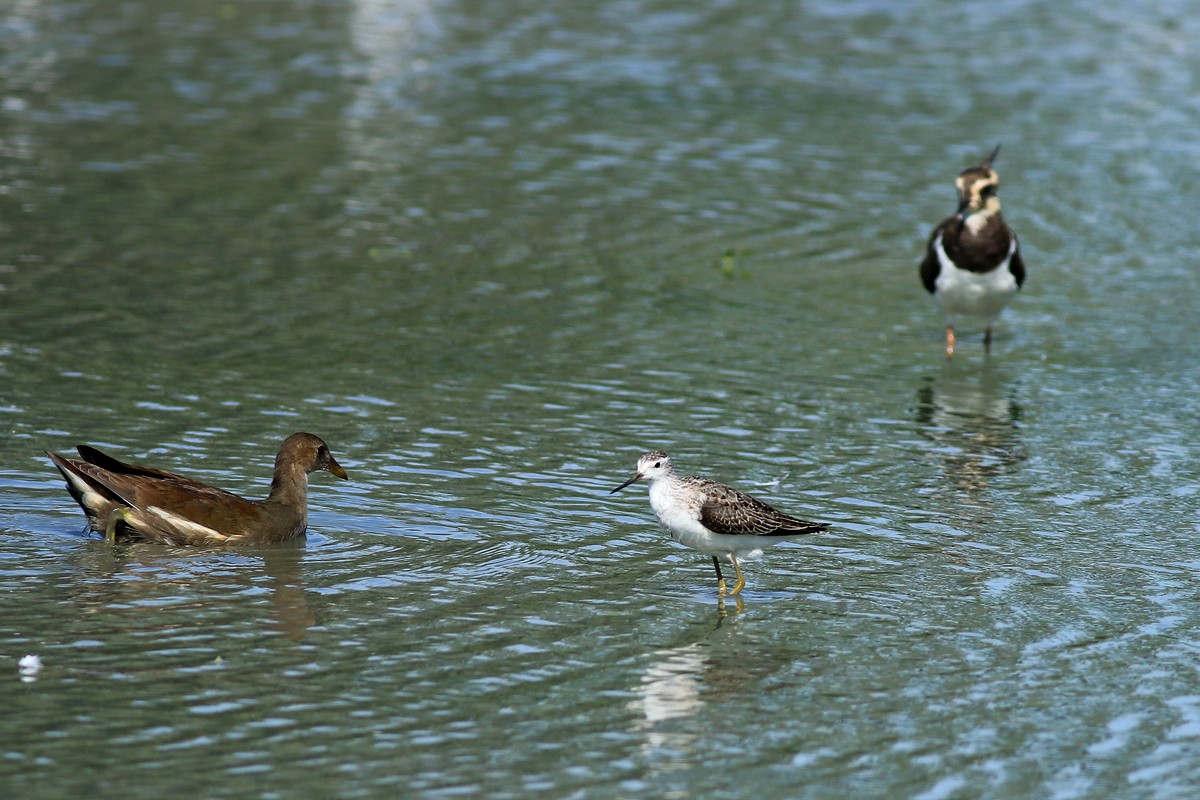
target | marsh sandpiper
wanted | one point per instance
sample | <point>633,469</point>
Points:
<point>714,518</point>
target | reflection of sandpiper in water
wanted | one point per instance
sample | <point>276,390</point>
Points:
<point>679,682</point>
<point>671,685</point>
<point>713,518</point>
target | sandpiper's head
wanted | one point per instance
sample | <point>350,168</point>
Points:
<point>652,465</point>
<point>977,187</point>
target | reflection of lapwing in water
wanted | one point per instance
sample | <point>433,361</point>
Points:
<point>973,421</point>
<point>713,518</point>
<point>973,263</point>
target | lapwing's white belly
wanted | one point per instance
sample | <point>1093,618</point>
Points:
<point>982,294</point>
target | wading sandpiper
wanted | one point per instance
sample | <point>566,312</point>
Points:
<point>714,518</point>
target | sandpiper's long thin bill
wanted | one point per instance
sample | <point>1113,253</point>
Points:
<point>635,477</point>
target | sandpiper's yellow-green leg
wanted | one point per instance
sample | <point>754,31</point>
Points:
<point>720,577</point>
<point>741,579</point>
<point>115,517</point>
<point>950,342</point>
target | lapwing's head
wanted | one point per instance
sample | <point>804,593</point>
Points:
<point>651,466</point>
<point>977,187</point>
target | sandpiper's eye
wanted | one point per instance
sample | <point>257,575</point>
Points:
<point>657,464</point>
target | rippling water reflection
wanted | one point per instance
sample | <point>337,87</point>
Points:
<point>491,252</point>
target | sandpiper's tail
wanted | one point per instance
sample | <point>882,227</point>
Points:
<point>798,527</point>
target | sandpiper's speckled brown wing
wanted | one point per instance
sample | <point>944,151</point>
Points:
<point>728,511</point>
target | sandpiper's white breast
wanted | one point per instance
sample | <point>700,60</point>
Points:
<point>677,510</point>
<point>984,294</point>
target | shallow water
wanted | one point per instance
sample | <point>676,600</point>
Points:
<point>493,251</point>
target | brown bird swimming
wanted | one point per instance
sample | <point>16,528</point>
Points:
<point>128,503</point>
